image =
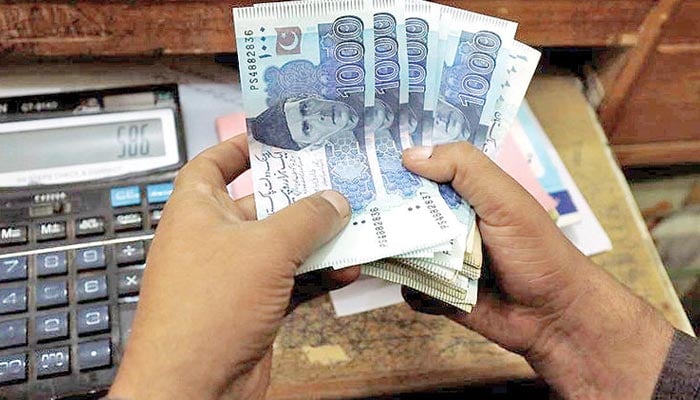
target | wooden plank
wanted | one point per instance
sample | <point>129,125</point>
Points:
<point>117,28</point>
<point>683,29</point>
<point>649,36</point>
<point>657,153</point>
<point>665,103</point>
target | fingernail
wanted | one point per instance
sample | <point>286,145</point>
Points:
<point>338,201</point>
<point>419,152</point>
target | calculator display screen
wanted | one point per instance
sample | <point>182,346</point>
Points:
<point>87,147</point>
<point>76,145</point>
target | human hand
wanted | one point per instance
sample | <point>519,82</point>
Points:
<point>582,331</point>
<point>218,284</point>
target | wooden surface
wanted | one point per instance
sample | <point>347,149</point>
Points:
<point>636,60</point>
<point>117,28</point>
<point>658,120</point>
<point>396,350</point>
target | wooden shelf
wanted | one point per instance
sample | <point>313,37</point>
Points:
<point>121,28</point>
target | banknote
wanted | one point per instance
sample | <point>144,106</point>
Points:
<point>307,70</point>
<point>475,53</point>
<point>422,48</point>
<point>462,293</point>
<point>520,67</point>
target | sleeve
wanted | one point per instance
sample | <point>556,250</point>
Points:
<point>680,376</point>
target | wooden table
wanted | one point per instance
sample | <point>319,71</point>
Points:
<point>397,350</point>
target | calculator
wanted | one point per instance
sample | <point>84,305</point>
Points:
<point>83,180</point>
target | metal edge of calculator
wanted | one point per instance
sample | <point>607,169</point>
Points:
<point>100,203</point>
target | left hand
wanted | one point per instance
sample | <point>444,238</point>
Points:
<point>219,283</point>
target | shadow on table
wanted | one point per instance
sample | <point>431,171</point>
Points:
<point>512,390</point>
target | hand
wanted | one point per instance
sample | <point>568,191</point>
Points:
<point>582,331</point>
<point>219,283</point>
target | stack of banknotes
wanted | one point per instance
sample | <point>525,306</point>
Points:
<point>335,90</point>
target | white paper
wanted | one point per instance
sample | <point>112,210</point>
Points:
<point>364,295</point>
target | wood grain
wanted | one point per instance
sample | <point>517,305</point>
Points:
<point>658,153</point>
<point>636,60</point>
<point>664,105</point>
<point>683,29</point>
<point>118,28</point>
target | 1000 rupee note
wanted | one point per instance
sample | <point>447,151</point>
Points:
<point>475,53</point>
<point>303,71</point>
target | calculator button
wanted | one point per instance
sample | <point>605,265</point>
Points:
<point>127,221</point>
<point>125,196</point>
<point>90,258</point>
<point>97,354</point>
<point>91,288</point>
<point>13,268</point>
<point>13,333</point>
<point>155,217</point>
<point>93,320</point>
<point>126,319</point>
<point>130,282</point>
<point>13,368</point>
<point>159,192</point>
<point>50,231</point>
<point>90,226</point>
<point>51,293</point>
<point>13,300</point>
<point>52,362</point>
<point>51,327</point>
<point>130,253</point>
<point>51,263</point>
<point>10,235</point>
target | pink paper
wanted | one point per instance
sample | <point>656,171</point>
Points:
<point>227,127</point>
<point>514,163</point>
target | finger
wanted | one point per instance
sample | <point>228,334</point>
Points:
<point>313,284</point>
<point>425,304</point>
<point>246,206</point>
<point>309,223</point>
<point>495,196</point>
<point>217,166</point>
<point>486,315</point>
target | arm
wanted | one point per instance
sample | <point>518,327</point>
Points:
<point>586,334</point>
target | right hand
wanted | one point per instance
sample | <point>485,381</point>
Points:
<point>586,334</point>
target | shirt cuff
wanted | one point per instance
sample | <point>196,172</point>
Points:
<point>680,376</point>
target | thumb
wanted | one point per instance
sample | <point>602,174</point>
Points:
<point>309,223</point>
<point>496,197</point>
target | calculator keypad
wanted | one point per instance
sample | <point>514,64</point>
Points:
<point>51,326</point>
<point>130,253</point>
<point>90,258</point>
<point>50,231</point>
<point>92,319</point>
<point>51,362</point>
<point>13,235</point>
<point>13,333</point>
<point>90,226</point>
<point>54,263</point>
<point>13,368</point>
<point>13,299</point>
<point>69,286</point>
<point>91,288</point>
<point>13,268</point>
<point>95,354</point>
<point>51,293</point>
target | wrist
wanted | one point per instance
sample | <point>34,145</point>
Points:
<point>608,343</point>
